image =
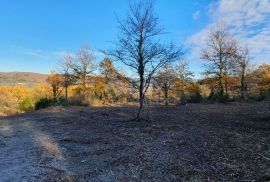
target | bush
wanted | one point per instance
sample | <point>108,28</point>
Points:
<point>218,97</point>
<point>46,102</point>
<point>79,100</point>
<point>183,100</point>
<point>26,104</point>
<point>42,103</point>
<point>196,97</point>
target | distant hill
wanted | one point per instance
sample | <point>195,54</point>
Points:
<point>25,78</point>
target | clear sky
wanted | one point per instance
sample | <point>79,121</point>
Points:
<point>34,34</point>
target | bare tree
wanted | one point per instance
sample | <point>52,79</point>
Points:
<point>242,65</point>
<point>183,73</point>
<point>221,48</point>
<point>83,65</point>
<point>139,47</point>
<point>164,80</point>
<point>65,69</point>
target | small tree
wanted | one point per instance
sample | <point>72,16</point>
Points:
<point>218,55</point>
<point>184,76</point>
<point>83,65</point>
<point>242,65</point>
<point>108,71</point>
<point>139,47</point>
<point>164,80</point>
<point>55,80</point>
<point>66,66</point>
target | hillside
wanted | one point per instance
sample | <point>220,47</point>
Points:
<point>25,78</point>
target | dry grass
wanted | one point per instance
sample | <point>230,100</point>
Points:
<point>186,143</point>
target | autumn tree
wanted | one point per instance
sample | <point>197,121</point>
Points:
<point>84,64</point>
<point>261,79</point>
<point>65,69</point>
<point>55,80</point>
<point>164,80</point>
<point>218,56</point>
<point>183,75</point>
<point>194,92</point>
<point>241,68</point>
<point>107,70</point>
<point>139,47</point>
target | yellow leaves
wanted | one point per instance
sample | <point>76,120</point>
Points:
<point>266,77</point>
<point>54,78</point>
<point>17,92</point>
<point>21,91</point>
<point>41,91</point>
<point>11,97</point>
<point>193,87</point>
<point>264,83</point>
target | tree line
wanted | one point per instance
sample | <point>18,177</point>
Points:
<point>155,71</point>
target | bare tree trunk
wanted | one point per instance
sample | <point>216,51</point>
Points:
<point>166,97</point>
<point>139,114</point>
<point>54,94</point>
<point>141,97</point>
<point>140,111</point>
<point>221,85</point>
<point>66,89</point>
<point>243,86</point>
<point>141,73</point>
<point>226,85</point>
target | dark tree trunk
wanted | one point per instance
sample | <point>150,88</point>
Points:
<point>141,97</point>
<point>54,94</point>
<point>221,86</point>
<point>226,80</point>
<point>66,89</point>
<point>226,85</point>
<point>141,74</point>
<point>243,86</point>
<point>166,97</point>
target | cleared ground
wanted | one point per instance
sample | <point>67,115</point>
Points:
<point>186,143</point>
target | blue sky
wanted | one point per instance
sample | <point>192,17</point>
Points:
<point>35,33</point>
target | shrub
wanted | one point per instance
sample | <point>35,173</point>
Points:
<point>217,97</point>
<point>183,100</point>
<point>46,102</point>
<point>196,97</point>
<point>26,104</point>
<point>79,100</point>
<point>42,103</point>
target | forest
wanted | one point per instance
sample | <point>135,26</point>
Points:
<point>140,113</point>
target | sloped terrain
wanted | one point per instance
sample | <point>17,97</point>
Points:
<point>186,143</point>
<point>24,78</point>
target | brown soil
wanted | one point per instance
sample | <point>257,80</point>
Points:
<point>186,143</point>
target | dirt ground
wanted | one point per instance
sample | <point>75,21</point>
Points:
<point>197,142</point>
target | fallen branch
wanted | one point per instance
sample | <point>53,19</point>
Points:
<point>265,157</point>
